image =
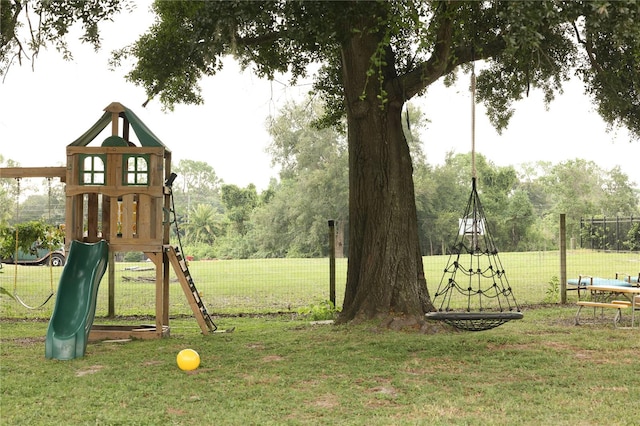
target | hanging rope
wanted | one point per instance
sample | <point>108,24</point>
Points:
<point>473,121</point>
<point>49,200</point>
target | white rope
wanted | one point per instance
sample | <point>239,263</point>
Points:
<point>473,123</point>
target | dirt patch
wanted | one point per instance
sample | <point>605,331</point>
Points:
<point>384,390</point>
<point>89,370</point>
<point>412,323</point>
<point>199,371</point>
<point>24,341</point>
<point>152,363</point>
<point>326,401</point>
<point>258,346</point>
<point>529,346</point>
<point>272,358</point>
<point>252,380</point>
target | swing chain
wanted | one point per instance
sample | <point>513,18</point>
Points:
<point>16,254</point>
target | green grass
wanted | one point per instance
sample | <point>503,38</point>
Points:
<point>286,285</point>
<point>282,370</point>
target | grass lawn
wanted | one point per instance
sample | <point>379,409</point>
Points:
<point>283,370</point>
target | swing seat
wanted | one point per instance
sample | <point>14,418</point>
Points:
<point>33,308</point>
<point>474,321</point>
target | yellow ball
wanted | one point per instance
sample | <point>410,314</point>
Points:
<point>188,359</point>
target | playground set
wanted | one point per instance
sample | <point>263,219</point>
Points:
<point>118,199</point>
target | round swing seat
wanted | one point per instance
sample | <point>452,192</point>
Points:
<point>474,321</point>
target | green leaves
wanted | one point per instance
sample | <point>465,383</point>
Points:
<point>28,234</point>
<point>49,22</point>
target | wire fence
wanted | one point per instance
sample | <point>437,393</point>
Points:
<point>261,286</point>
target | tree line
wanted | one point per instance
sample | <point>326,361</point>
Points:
<point>289,219</point>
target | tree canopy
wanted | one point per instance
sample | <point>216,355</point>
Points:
<point>27,26</point>
<point>377,55</point>
<point>526,45</point>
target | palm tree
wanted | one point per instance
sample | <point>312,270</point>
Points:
<point>204,225</point>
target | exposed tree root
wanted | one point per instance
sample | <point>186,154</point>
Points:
<point>415,323</point>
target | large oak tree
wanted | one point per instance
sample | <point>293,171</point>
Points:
<point>378,55</point>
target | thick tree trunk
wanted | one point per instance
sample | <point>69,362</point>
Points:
<point>385,273</point>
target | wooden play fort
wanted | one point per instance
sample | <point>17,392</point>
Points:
<point>121,192</point>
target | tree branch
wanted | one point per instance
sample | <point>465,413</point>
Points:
<point>264,38</point>
<point>429,71</point>
<point>443,61</point>
<point>10,31</point>
<point>589,49</point>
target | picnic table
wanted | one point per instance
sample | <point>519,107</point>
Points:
<point>584,282</point>
<point>611,291</point>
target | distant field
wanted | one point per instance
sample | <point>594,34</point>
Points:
<point>281,285</point>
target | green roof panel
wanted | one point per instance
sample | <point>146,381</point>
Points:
<point>143,133</point>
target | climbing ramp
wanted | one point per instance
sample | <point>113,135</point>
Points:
<point>191,292</point>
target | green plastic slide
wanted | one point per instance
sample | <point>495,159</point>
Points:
<point>75,307</point>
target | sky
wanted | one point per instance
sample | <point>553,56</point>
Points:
<point>44,109</point>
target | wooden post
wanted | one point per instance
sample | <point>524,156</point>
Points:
<point>114,124</point>
<point>563,259</point>
<point>160,263</point>
<point>92,217</point>
<point>332,262</point>
<point>112,285</point>
<point>165,289</point>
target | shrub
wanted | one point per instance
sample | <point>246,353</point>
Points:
<point>325,310</point>
<point>133,256</point>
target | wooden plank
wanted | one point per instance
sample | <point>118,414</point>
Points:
<point>602,305</point>
<point>116,150</point>
<point>108,332</point>
<point>128,220</point>
<point>77,218</point>
<point>106,216</point>
<point>29,172</point>
<point>115,191</point>
<point>92,218</point>
<point>144,216</point>
<point>156,171</point>
<point>73,177</point>
<point>115,218</point>
<point>68,220</point>
<point>116,107</point>
<point>125,247</point>
<point>156,222</point>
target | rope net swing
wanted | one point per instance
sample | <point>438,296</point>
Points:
<point>474,293</point>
